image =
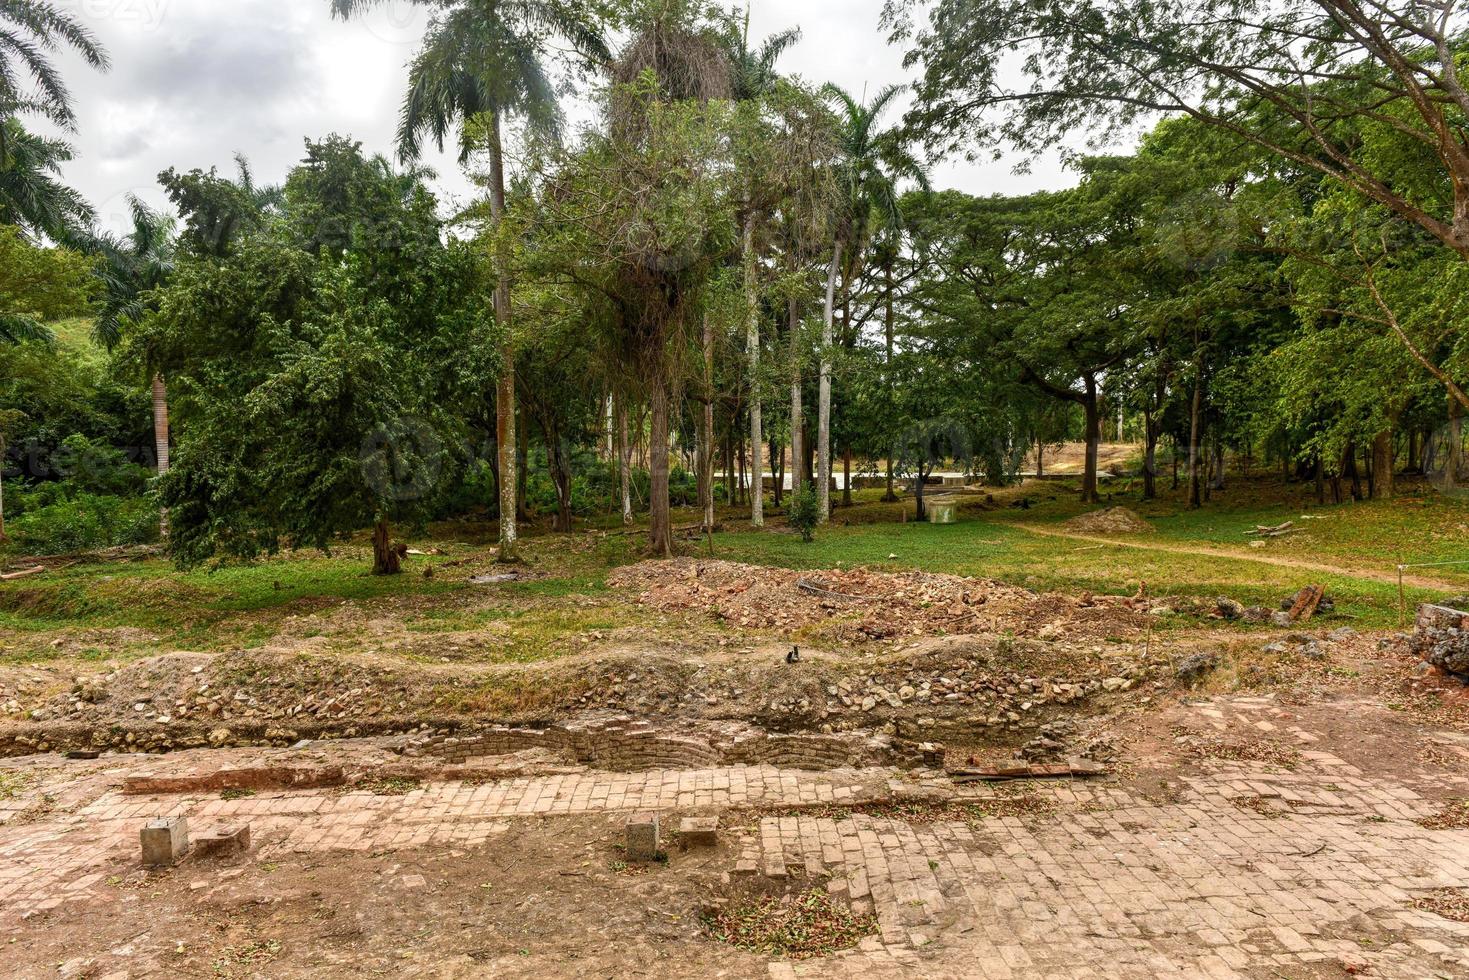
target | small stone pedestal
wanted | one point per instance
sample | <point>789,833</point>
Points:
<point>165,841</point>
<point>642,837</point>
<point>699,831</point>
<point>225,842</point>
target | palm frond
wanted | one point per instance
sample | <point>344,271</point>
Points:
<point>31,31</point>
<point>17,327</point>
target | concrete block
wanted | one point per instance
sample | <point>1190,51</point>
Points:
<point>642,837</point>
<point>225,842</point>
<point>165,841</point>
<point>699,831</point>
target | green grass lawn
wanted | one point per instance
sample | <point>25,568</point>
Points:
<point>241,607</point>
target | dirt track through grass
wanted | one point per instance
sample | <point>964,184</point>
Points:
<point>1279,561</point>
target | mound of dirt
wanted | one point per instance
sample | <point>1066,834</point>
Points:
<point>1113,520</point>
<point>859,604</point>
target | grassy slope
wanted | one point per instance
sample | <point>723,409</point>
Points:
<point>244,606</point>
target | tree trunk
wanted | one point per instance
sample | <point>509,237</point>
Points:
<point>386,559</point>
<point>505,385</point>
<point>1454,448</point>
<point>1195,425</point>
<point>1151,432</point>
<point>706,464</point>
<point>1217,483</point>
<point>798,421</point>
<point>921,510</point>
<point>160,442</point>
<point>3,536</point>
<point>560,476</point>
<point>847,477</point>
<point>823,424</point>
<point>1040,458</point>
<point>744,486</point>
<point>1382,474</point>
<point>890,494</point>
<point>611,439</point>
<point>1093,413</point>
<point>661,525</point>
<point>752,344</point>
<point>624,462</point>
<point>1349,468</point>
<point>777,472</point>
<point>522,475</point>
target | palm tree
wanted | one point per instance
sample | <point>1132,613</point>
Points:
<point>753,69</point>
<point>684,45</point>
<point>30,32</point>
<point>753,74</point>
<point>486,58</point>
<point>133,267</point>
<point>871,163</point>
<point>31,194</point>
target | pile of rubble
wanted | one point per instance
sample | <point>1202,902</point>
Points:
<point>859,604</point>
<point>1113,520</point>
<point>623,743</point>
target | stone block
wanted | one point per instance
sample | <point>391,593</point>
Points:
<point>165,841</point>
<point>225,842</point>
<point>699,831</point>
<point>642,837</point>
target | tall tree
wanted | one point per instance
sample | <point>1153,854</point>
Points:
<point>754,80</point>
<point>489,59</point>
<point>1318,84</point>
<point>132,269</point>
<point>315,370</point>
<point>871,163</point>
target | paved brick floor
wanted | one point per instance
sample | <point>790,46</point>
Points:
<point>1245,871</point>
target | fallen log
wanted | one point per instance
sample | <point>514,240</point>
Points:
<point>1279,530</point>
<point>1307,601</point>
<point>10,576</point>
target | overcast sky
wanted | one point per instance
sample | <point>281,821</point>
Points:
<point>195,81</point>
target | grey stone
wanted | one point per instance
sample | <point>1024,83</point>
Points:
<point>699,831</point>
<point>165,841</point>
<point>1442,637</point>
<point>1196,666</point>
<point>642,837</point>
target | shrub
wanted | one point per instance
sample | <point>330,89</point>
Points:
<point>84,522</point>
<point>804,512</point>
<point>92,466</point>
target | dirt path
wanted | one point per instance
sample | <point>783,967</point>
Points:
<point>1386,577</point>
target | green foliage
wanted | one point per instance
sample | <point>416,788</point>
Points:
<point>38,284</point>
<point>804,512</point>
<point>313,362</point>
<point>51,523</point>
<point>32,196</point>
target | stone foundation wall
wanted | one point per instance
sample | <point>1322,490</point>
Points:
<point>625,745</point>
<point>1442,638</point>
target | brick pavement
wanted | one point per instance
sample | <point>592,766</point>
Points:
<point>1245,871</point>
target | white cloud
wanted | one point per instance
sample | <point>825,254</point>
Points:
<point>195,81</point>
